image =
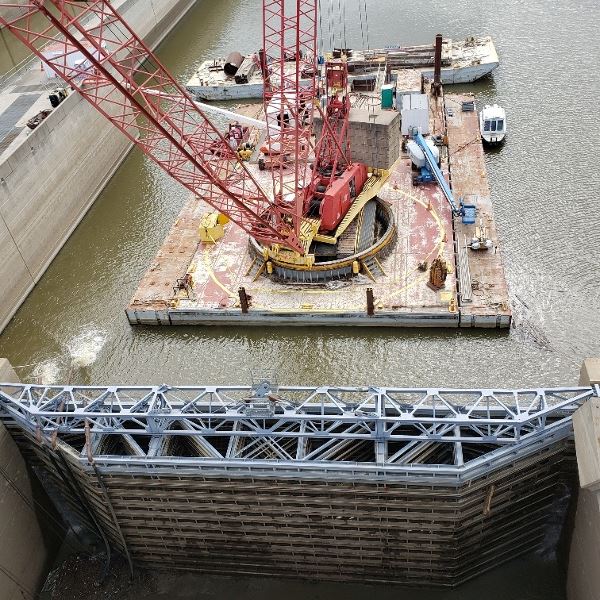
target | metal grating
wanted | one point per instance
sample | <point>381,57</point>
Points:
<point>11,115</point>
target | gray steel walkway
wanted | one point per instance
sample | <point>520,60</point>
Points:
<point>440,432</point>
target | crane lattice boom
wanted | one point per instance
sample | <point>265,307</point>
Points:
<point>289,64</point>
<point>122,79</point>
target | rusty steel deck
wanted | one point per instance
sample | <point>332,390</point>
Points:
<point>489,305</point>
<point>425,230</point>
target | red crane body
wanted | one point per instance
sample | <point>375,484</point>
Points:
<point>336,181</point>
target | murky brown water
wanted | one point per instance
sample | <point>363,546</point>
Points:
<point>546,188</point>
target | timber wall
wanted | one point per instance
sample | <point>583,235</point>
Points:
<point>414,530</point>
<point>50,181</point>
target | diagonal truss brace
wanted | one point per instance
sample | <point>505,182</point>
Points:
<point>307,424</point>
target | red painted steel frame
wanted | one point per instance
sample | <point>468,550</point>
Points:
<point>333,148</point>
<point>125,82</point>
<point>290,55</point>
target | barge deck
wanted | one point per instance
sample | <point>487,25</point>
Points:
<point>426,229</point>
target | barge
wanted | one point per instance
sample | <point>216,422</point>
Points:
<point>239,77</point>
<point>226,281</point>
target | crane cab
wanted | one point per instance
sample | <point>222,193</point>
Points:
<point>492,125</point>
<point>334,195</point>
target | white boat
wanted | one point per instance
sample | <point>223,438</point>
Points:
<point>239,77</point>
<point>492,124</point>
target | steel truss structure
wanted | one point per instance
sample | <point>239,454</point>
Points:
<point>122,78</point>
<point>367,484</point>
<point>316,427</point>
<point>289,67</point>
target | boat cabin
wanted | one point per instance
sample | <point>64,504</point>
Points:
<point>492,124</point>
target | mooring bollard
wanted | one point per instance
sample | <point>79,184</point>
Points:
<point>370,302</point>
<point>244,300</point>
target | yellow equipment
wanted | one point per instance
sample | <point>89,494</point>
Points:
<point>245,154</point>
<point>212,227</point>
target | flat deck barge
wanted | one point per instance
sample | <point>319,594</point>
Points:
<point>475,292</point>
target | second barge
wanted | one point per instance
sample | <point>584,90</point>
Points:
<point>239,77</point>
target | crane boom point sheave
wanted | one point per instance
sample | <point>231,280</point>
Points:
<point>178,137</point>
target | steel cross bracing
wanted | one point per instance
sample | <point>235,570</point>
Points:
<point>289,64</point>
<point>124,81</point>
<point>319,425</point>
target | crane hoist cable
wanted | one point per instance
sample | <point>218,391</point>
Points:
<point>362,28</point>
<point>364,23</point>
<point>331,25</point>
<point>321,35</point>
<point>342,16</point>
<point>367,25</point>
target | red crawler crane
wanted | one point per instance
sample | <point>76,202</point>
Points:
<point>336,181</point>
<point>124,80</point>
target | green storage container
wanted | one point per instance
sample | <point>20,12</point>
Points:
<point>387,96</point>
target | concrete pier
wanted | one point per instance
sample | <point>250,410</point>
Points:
<point>7,373</point>
<point>51,176</point>
<point>24,545</point>
<point>584,575</point>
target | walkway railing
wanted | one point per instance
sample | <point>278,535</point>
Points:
<point>380,426</point>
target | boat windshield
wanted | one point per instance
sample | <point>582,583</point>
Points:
<point>493,125</point>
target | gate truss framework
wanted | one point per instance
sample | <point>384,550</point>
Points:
<point>441,432</point>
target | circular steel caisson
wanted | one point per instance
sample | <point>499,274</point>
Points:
<point>383,237</point>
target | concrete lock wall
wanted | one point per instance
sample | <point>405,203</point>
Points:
<point>583,581</point>
<point>50,181</point>
<point>24,545</point>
